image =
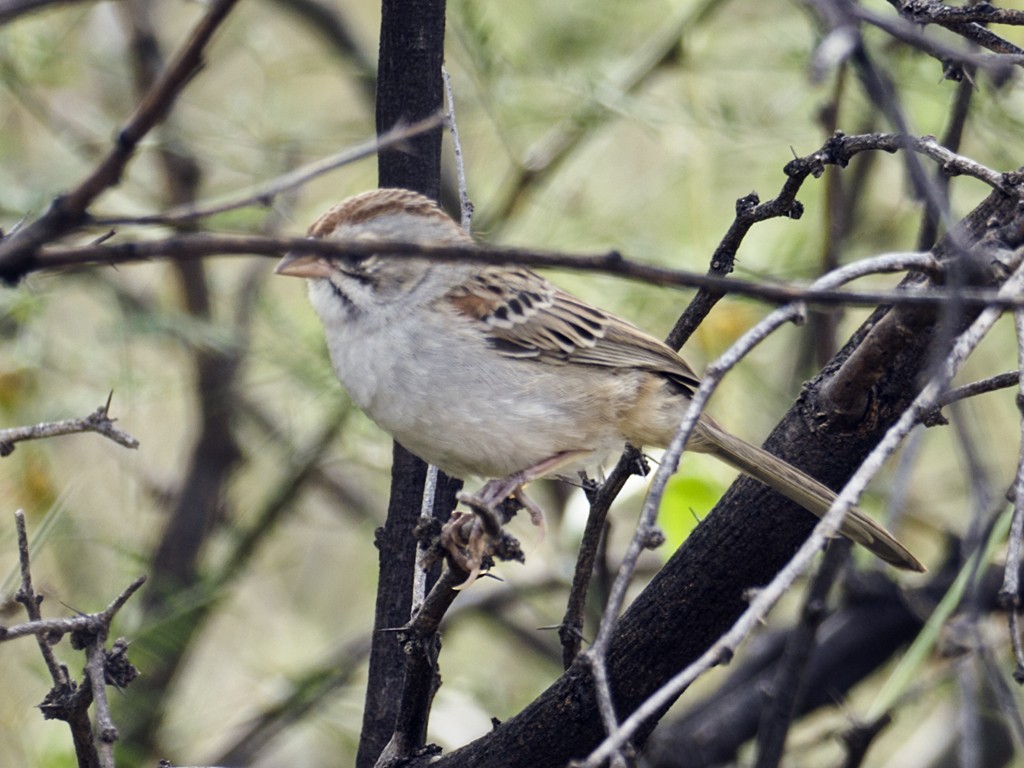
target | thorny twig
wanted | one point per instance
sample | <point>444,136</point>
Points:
<point>98,421</point>
<point>970,22</point>
<point>68,700</point>
<point>1006,54</point>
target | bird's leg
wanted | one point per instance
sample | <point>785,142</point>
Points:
<point>496,491</point>
<point>463,538</point>
<point>468,542</point>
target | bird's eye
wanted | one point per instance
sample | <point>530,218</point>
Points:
<point>358,266</point>
<point>360,269</point>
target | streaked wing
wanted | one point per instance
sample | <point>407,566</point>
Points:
<point>523,315</point>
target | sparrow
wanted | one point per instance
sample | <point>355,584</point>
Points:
<point>493,371</point>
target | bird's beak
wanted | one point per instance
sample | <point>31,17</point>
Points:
<point>303,265</point>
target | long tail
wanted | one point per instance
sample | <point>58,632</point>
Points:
<point>805,491</point>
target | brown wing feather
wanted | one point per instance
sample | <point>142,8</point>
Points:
<point>523,315</point>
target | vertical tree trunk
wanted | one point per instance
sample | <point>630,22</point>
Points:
<point>409,87</point>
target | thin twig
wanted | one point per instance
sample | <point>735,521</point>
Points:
<point>99,421</point>
<point>940,13</point>
<point>1018,648</point>
<point>1004,695</point>
<point>428,619</point>
<point>571,628</point>
<point>968,22</point>
<point>26,595</point>
<point>95,669</point>
<point>423,556</point>
<point>67,700</point>
<point>980,387</point>
<point>264,194</point>
<point>610,262</point>
<point>465,205</point>
<point>69,211</point>
<point>83,622</point>
<point>1009,593</point>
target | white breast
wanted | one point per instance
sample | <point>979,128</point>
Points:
<point>458,404</point>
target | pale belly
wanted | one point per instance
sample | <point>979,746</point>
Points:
<point>488,420</point>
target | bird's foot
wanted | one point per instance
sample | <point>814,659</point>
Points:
<point>471,537</point>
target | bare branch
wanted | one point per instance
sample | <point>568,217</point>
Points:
<point>570,631</point>
<point>1007,55</point>
<point>465,205</point>
<point>68,700</point>
<point>1009,594</point>
<point>98,421</point>
<point>825,529</point>
<point>610,262</point>
<point>991,384</point>
<point>265,193</point>
<point>27,596</point>
<point>976,13</point>
<point>965,21</point>
<point>12,9</point>
<point>84,622</point>
<point>96,672</point>
<point>69,211</point>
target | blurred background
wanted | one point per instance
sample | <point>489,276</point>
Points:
<point>586,125</point>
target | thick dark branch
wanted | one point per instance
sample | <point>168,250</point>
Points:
<point>399,688</point>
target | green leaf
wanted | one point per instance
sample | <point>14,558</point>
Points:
<point>690,495</point>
